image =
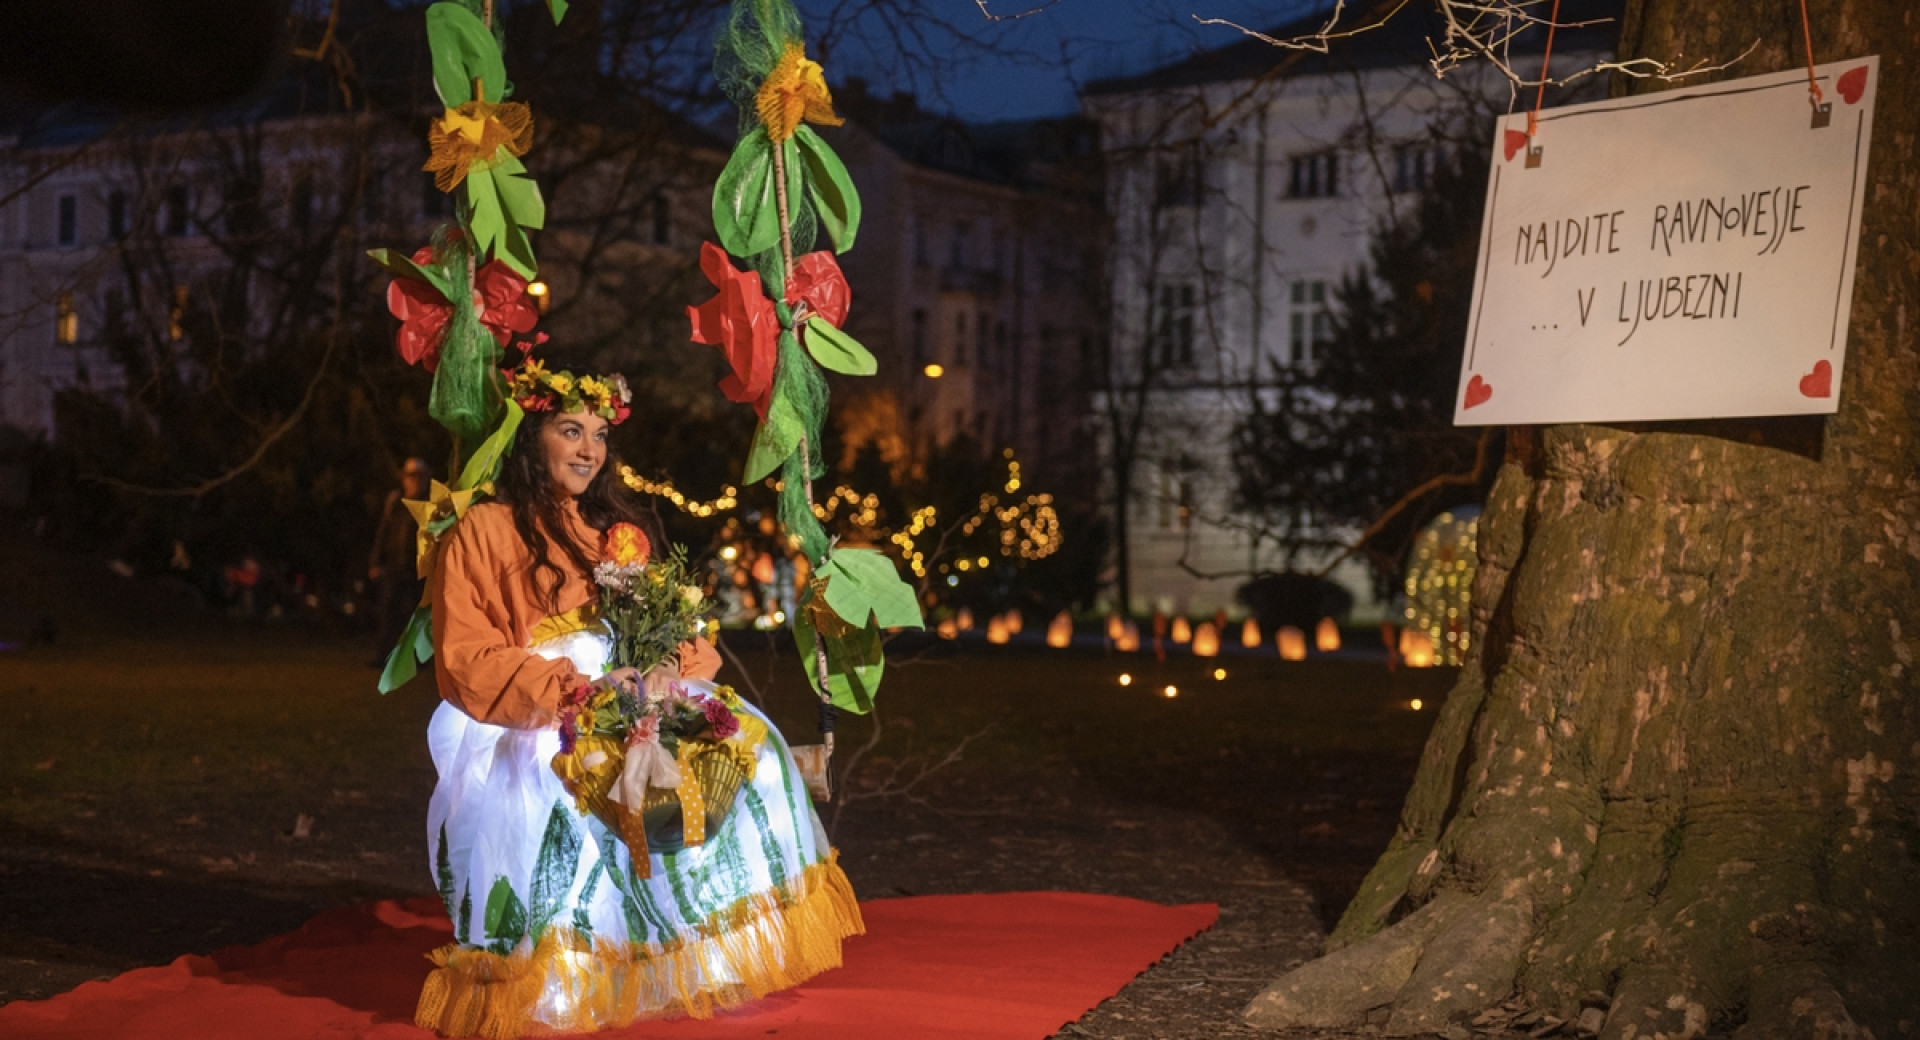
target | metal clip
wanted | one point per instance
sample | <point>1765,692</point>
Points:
<point>1533,156</point>
<point>1822,114</point>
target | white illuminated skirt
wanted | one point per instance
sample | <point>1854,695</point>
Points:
<point>553,931</point>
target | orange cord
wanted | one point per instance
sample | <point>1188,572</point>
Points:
<point>1546,61</point>
<point>1806,30</point>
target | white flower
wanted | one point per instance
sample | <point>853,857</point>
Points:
<point>692,594</point>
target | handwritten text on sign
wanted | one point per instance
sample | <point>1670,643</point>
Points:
<point>1681,255</point>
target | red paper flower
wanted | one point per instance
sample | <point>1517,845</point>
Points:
<point>741,322</point>
<point>499,300</point>
<point>818,283</point>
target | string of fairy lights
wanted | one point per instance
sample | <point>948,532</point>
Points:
<point>1439,584</point>
<point>1028,526</point>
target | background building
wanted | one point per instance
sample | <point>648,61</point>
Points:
<point>1244,184</point>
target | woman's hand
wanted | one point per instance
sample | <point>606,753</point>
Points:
<point>627,679</point>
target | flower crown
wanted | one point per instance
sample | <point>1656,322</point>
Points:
<point>535,389</point>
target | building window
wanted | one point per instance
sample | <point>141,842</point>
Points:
<point>921,256</point>
<point>662,215</point>
<point>1309,323</point>
<point>117,215</point>
<point>1315,176</point>
<point>301,202</point>
<point>1173,326</point>
<point>1412,167</point>
<point>1000,352</point>
<point>1176,495</point>
<point>918,344</point>
<point>177,201</point>
<point>115,316</point>
<point>66,320</point>
<point>177,317</point>
<point>69,220</point>
<point>982,349</point>
<point>957,249</point>
<point>1176,179</point>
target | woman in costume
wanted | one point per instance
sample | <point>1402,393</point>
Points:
<point>557,929</point>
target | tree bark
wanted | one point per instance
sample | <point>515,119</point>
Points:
<point>1682,770</point>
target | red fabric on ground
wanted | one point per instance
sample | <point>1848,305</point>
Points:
<point>931,967</point>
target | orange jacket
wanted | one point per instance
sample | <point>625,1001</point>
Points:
<point>485,608</point>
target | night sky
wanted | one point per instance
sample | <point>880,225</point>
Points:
<point>1028,67</point>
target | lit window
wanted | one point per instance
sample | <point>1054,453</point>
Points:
<point>66,321</point>
<point>177,317</point>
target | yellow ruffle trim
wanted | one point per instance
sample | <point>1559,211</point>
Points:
<point>571,983</point>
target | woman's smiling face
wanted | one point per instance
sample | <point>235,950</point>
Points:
<point>576,447</point>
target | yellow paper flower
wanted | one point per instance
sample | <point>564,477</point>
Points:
<point>472,135</point>
<point>796,89</point>
<point>591,387</point>
<point>562,384</point>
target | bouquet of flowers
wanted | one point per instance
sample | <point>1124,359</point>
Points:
<point>663,762</point>
<point>650,607</point>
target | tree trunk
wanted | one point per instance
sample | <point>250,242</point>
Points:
<point>1679,782</point>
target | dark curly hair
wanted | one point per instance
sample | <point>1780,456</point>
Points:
<point>526,487</point>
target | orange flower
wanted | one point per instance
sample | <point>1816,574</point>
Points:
<point>472,135</point>
<point>796,89</point>
<point>625,546</point>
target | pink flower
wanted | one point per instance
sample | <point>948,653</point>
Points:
<point>720,717</point>
<point>644,731</point>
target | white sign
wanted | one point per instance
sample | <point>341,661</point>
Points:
<point>1681,255</point>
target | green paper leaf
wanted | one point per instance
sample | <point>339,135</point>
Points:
<point>414,649</point>
<point>835,199</point>
<point>557,8</point>
<point>463,51</point>
<point>506,920</point>
<point>519,194</point>
<point>501,205</point>
<point>484,464</point>
<point>402,266</point>
<point>746,215</point>
<point>863,583</point>
<point>855,662</point>
<point>553,870</point>
<point>836,351</point>
<point>777,438</point>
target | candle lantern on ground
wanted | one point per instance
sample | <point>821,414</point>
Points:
<point>1206,640</point>
<point>1293,644</point>
<point>1182,632</point>
<point>1129,640</point>
<point>1014,621</point>
<point>1060,631</point>
<point>1250,634</point>
<point>1326,638</point>
<point>964,619</point>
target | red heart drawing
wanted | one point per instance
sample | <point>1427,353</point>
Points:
<point>1516,140</point>
<point>1853,84</point>
<point>1817,383</point>
<point>1478,389</point>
